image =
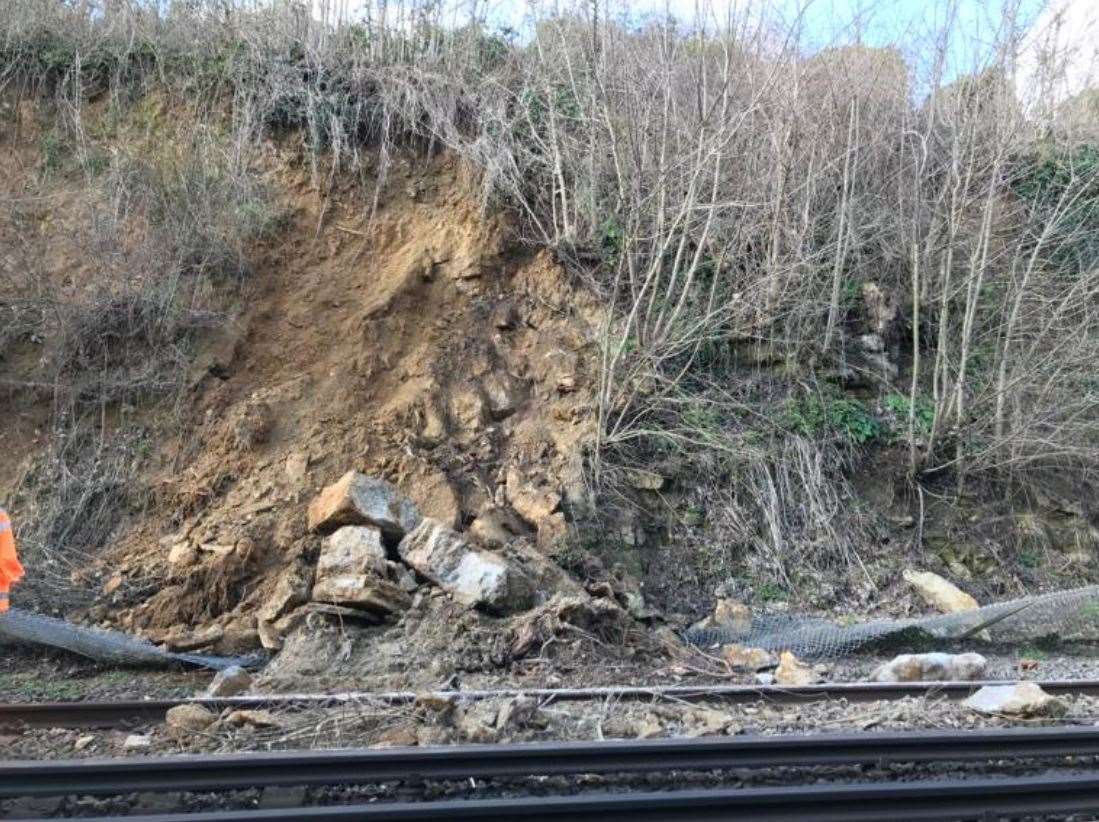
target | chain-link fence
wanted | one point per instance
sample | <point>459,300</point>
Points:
<point>1059,616</point>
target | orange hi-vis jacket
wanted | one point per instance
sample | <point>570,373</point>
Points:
<point>10,569</point>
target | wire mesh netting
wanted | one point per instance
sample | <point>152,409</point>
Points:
<point>109,647</point>
<point>1059,616</point>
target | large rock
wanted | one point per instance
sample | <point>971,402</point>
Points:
<point>353,549</point>
<point>940,594</point>
<point>933,667</point>
<point>356,499</point>
<point>367,591</point>
<point>473,577</point>
<point>1020,699</point>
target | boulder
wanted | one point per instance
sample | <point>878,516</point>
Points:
<point>473,577</point>
<point>932,667</point>
<point>229,682</point>
<point>943,596</point>
<point>1021,699</point>
<point>740,658</point>
<point>792,671</point>
<point>356,499</point>
<point>353,549</point>
<point>368,591</point>
<point>189,718</point>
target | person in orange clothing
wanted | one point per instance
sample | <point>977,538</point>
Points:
<point>10,569</point>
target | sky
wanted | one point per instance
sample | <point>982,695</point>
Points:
<point>1071,27</point>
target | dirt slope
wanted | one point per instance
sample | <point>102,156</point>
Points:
<point>421,348</point>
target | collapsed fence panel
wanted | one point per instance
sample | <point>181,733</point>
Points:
<point>1071,615</point>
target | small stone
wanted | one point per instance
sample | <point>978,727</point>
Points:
<point>931,667</point>
<point>356,499</point>
<point>183,554</point>
<point>112,584</point>
<point>136,742</point>
<point>229,682</point>
<point>504,316</point>
<point>84,742</point>
<point>707,723</point>
<point>647,728</point>
<point>202,638</point>
<point>496,527</point>
<point>733,614</point>
<point>291,590</point>
<point>1021,699</point>
<point>270,637</point>
<point>297,466</point>
<point>399,737</point>
<point>531,502</point>
<point>189,718</point>
<point>792,671</point>
<point>552,532</point>
<point>502,393</point>
<point>517,712</point>
<point>940,594</point>
<point>254,718</point>
<point>740,658</point>
<point>765,679</point>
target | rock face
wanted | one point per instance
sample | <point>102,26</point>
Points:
<point>356,499</point>
<point>353,549</point>
<point>473,577</point>
<point>1020,699</point>
<point>940,594</point>
<point>933,667</point>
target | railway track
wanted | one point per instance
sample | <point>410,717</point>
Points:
<point>939,799</point>
<point>913,802</point>
<point>122,713</point>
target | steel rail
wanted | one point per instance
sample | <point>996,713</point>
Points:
<point>913,801</point>
<point>38,778</point>
<point>112,714</point>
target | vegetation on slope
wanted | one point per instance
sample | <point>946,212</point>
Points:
<point>806,256</point>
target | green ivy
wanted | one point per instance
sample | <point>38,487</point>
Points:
<point>900,405</point>
<point>816,415</point>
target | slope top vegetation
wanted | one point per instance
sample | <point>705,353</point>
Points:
<point>834,312</point>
